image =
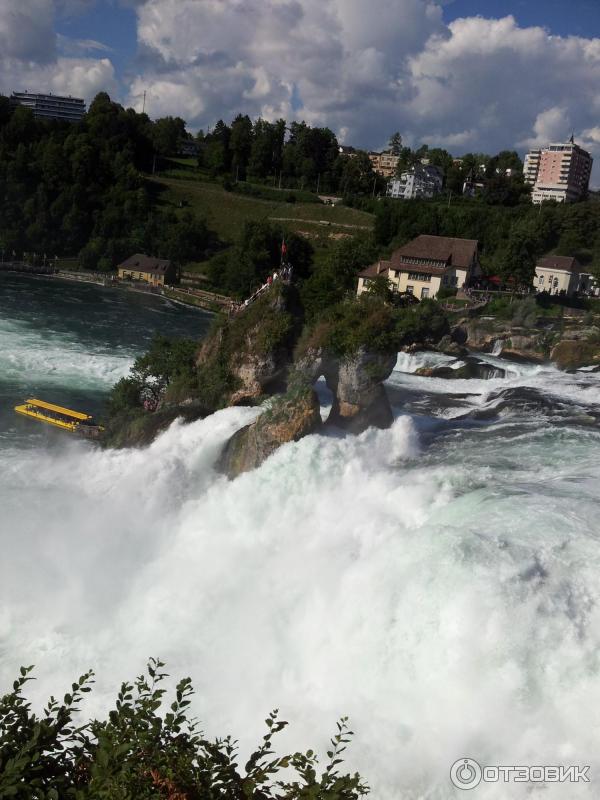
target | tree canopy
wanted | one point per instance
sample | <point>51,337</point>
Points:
<point>77,189</point>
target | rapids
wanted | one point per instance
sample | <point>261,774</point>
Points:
<point>437,582</point>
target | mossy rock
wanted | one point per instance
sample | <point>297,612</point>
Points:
<point>575,353</point>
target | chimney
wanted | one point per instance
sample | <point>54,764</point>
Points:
<point>379,267</point>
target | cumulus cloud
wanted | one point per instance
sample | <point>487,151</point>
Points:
<point>512,85</point>
<point>474,84</point>
<point>27,30</point>
<point>329,60</point>
<point>363,70</point>
<point>33,57</point>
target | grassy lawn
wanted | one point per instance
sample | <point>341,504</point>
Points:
<point>226,211</point>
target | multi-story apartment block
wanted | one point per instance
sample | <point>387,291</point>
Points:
<point>50,106</point>
<point>385,163</point>
<point>558,172</point>
<point>420,181</point>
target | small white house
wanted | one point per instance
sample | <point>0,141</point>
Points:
<point>561,275</point>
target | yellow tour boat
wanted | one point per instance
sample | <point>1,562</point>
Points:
<point>65,418</point>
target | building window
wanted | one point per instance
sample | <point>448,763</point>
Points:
<point>424,292</point>
<point>410,290</point>
<point>541,280</point>
<point>418,276</point>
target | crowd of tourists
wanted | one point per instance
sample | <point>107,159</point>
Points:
<point>284,273</point>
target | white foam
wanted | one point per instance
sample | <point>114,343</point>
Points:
<point>411,362</point>
<point>543,377</point>
<point>51,357</point>
<point>447,601</point>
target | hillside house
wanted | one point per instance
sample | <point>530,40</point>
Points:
<point>155,271</point>
<point>561,275</point>
<point>426,264</point>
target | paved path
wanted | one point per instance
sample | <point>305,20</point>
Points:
<point>324,222</point>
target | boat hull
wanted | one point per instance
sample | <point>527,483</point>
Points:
<point>41,417</point>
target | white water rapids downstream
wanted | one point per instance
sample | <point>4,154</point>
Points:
<point>438,582</point>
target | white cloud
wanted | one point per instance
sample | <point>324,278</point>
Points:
<point>477,83</point>
<point>77,47</point>
<point>27,30</point>
<point>363,70</point>
<point>253,55</point>
<point>550,125</point>
<point>33,57</point>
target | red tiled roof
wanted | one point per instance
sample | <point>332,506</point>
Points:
<point>455,252</point>
<point>379,268</point>
<point>565,263</point>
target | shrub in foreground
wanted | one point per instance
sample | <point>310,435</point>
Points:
<point>144,751</point>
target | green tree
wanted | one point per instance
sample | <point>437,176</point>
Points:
<point>519,258</point>
<point>217,156</point>
<point>167,132</point>
<point>240,145</point>
<point>337,277</point>
<point>395,143</point>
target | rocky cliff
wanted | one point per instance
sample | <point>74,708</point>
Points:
<point>356,383</point>
<point>266,351</point>
<point>289,419</point>
<point>253,350</point>
<point>568,342</point>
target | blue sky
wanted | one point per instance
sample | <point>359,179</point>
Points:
<point>563,17</point>
<point>462,74</point>
<point>107,23</point>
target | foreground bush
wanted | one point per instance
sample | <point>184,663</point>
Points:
<point>144,752</point>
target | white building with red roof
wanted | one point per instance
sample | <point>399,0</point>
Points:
<point>424,265</point>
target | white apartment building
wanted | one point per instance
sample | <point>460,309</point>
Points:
<point>420,181</point>
<point>50,106</point>
<point>558,172</point>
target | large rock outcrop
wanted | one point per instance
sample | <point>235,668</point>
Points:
<point>576,353</point>
<point>504,338</point>
<point>359,397</point>
<point>289,419</point>
<point>254,349</point>
<point>356,383</point>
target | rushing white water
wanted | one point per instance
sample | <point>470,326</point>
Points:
<point>544,378</point>
<point>411,362</point>
<point>48,357</point>
<point>447,600</point>
<point>437,582</point>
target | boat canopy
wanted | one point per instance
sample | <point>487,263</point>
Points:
<point>67,412</point>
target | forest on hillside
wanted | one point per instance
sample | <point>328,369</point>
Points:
<point>77,190</point>
<point>80,191</point>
